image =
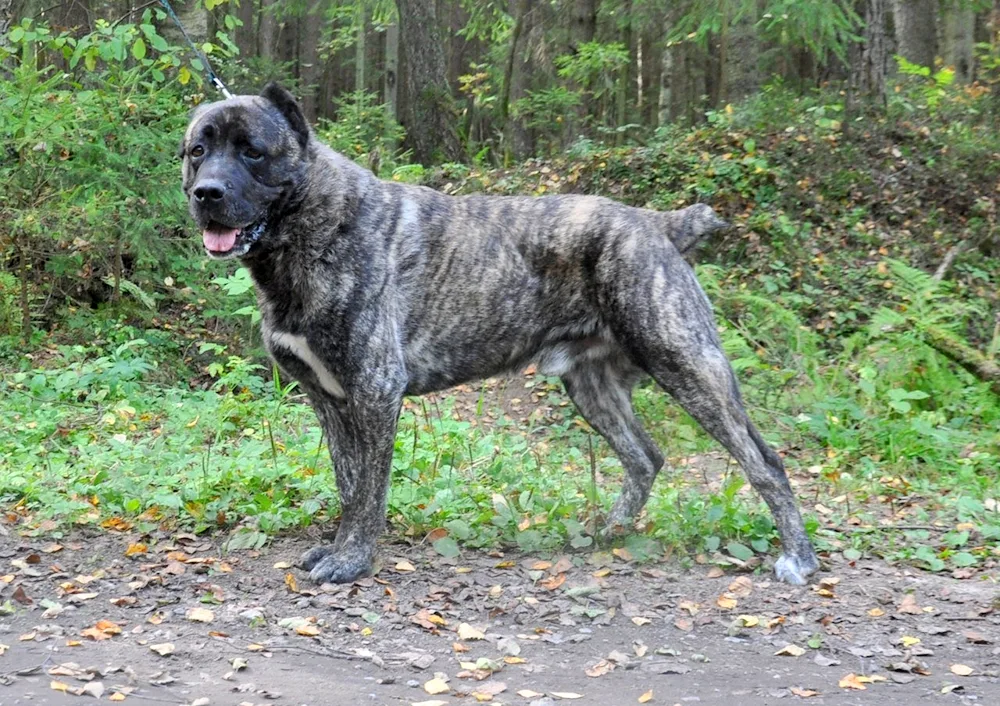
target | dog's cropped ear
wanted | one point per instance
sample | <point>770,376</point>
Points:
<point>289,107</point>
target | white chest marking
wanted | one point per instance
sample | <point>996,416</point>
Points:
<point>298,347</point>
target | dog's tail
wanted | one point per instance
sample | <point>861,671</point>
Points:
<point>688,226</point>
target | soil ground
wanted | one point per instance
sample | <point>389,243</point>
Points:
<point>539,625</point>
<point>171,619</point>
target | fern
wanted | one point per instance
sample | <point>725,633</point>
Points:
<point>130,287</point>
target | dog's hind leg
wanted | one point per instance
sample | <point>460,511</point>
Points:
<point>701,379</point>
<point>602,392</point>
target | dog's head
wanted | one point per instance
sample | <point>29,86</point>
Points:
<point>244,160</point>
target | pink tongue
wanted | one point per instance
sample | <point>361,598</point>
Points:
<point>220,240</point>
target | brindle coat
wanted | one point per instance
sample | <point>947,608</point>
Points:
<point>372,290</point>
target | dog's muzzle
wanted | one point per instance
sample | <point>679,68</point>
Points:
<point>222,242</point>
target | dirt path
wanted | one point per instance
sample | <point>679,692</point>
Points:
<point>532,627</point>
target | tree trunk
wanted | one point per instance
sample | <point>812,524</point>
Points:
<point>916,30</point>
<point>430,115</point>
<point>625,80</point>
<point>583,22</point>
<point>516,80</point>
<point>6,18</point>
<point>391,85</point>
<point>245,37</point>
<point>958,35</point>
<point>267,30</point>
<point>309,68</point>
<point>869,60</point>
<point>740,57</point>
<point>649,77</point>
<point>582,29</point>
<point>359,48</point>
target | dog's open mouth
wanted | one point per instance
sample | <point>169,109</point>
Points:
<point>225,241</point>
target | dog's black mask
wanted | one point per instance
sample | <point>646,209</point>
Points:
<point>243,159</point>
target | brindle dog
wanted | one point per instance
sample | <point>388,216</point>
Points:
<point>373,290</point>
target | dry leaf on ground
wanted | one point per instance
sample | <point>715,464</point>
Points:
<point>803,693</point>
<point>790,650</point>
<point>436,686</point>
<point>962,670</point>
<point>200,615</point>
<point>467,632</point>
<point>600,669</point>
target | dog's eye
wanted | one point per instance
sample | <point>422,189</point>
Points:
<point>197,151</point>
<point>252,154</point>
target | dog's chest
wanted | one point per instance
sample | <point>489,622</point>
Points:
<point>287,340</point>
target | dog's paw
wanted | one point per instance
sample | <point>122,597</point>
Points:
<point>311,558</point>
<point>795,570</point>
<point>339,567</point>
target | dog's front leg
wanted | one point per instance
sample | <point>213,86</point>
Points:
<point>360,433</point>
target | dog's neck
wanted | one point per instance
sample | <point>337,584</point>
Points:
<point>304,242</point>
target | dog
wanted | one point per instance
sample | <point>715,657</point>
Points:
<point>372,290</point>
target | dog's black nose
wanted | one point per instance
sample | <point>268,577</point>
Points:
<point>210,190</point>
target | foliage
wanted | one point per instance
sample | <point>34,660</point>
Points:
<point>363,126</point>
<point>91,178</point>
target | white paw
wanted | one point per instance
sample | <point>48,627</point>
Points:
<point>791,570</point>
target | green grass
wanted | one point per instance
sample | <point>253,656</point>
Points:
<point>884,431</point>
<point>119,419</point>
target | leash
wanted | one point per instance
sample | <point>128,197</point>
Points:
<point>212,78</point>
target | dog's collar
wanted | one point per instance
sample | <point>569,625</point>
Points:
<point>253,234</point>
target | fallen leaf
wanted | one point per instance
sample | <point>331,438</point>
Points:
<point>803,693</point>
<point>640,621</point>
<point>790,650</point>
<point>435,702</point>
<point>566,695</point>
<point>467,632</point>
<point>3,648</point>
<point>909,605</point>
<point>529,694</point>
<point>137,548</point>
<point>405,566</point>
<point>308,630</point>
<point>487,690</point>
<point>690,606</point>
<point>962,670</point>
<point>748,621</point>
<point>970,635</point>
<point>851,682</point>
<point>600,669</point>
<point>200,615</point>
<point>622,553</point>
<point>726,602</point>
<point>103,630</point>
<point>163,649</point>
<point>909,641</point>
<point>21,597</point>
<point>715,572</point>
<point>59,686</point>
<point>94,688</point>
<point>117,696</point>
<point>647,697</point>
<point>436,686</point>
<point>283,565</point>
<point>554,582</point>
<point>741,587</point>
<point>291,583</point>
<point>239,664</point>
<point>876,612</point>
